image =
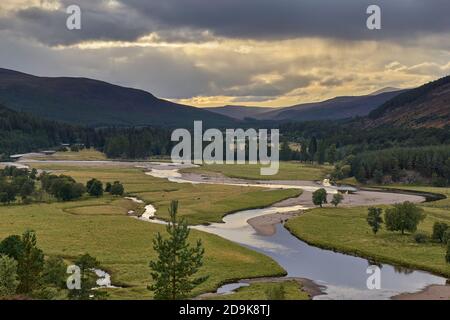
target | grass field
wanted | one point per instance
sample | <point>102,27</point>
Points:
<point>346,230</point>
<point>258,291</point>
<point>84,154</point>
<point>199,203</point>
<point>287,171</point>
<point>100,227</point>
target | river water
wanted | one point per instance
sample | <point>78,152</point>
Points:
<point>343,276</point>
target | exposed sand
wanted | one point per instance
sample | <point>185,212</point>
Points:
<point>266,225</point>
<point>434,292</point>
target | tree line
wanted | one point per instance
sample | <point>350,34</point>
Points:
<point>31,187</point>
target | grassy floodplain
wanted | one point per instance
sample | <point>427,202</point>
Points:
<point>84,154</point>
<point>287,171</point>
<point>123,245</point>
<point>346,230</point>
<point>258,291</point>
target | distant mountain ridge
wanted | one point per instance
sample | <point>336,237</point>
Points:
<point>96,103</point>
<point>240,112</point>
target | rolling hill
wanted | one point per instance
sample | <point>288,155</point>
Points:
<point>240,112</point>
<point>332,109</point>
<point>95,103</point>
<point>426,106</point>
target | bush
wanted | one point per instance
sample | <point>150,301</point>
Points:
<point>276,293</point>
<point>319,197</point>
<point>447,256</point>
<point>8,276</point>
<point>420,237</point>
<point>446,237</point>
<point>337,199</point>
<point>12,246</point>
<point>94,187</point>
<point>117,189</point>
<point>439,229</point>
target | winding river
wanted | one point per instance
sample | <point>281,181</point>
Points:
<point>342,276</point>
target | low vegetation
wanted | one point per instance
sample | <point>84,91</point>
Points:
<point>122,245</point>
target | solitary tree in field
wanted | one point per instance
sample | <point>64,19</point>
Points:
<point>319,197</point>
<point>173,272</point>
<point>404,217</point>
<point>337,199</point>
<point>374,219</point>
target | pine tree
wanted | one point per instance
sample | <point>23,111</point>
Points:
<point>173,272</point>
<point>31,264</point>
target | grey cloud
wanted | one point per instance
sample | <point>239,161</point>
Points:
<point>188,20</point>
<point>280,19</point>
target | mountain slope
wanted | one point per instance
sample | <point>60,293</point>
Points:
<point>21,132</point>
<point>240,112</point>
<point>332,109</point>
<point>425,106</point>
<point>96,103</point>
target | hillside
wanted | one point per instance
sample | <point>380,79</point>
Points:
<point>96,103</point>
<point>425,106</point>
<point>20,132</point>
<point>332,109</point>
<point>240,112</point>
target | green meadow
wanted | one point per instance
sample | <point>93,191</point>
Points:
<point>346,230</point>
<point>123,244</point>
<point>287,171</point>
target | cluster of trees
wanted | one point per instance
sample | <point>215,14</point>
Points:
<point>425,164</point>
<point>25,272</point>
<point>137,143</point>
<point>319,198</point>
<point>62,187</point>
<point>16,182</point>
<point>405,217</point>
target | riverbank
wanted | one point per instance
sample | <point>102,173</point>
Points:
<point>345,230</point>
<point>433,292</point>
<point>259,289</point>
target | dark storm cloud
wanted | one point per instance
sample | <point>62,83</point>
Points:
<point>190,20</point>
<point>279,19</point>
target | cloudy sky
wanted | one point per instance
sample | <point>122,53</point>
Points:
<point>244,52</point>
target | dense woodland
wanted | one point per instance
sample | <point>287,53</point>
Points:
<point>382,155</point>
<point>21,133</point>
